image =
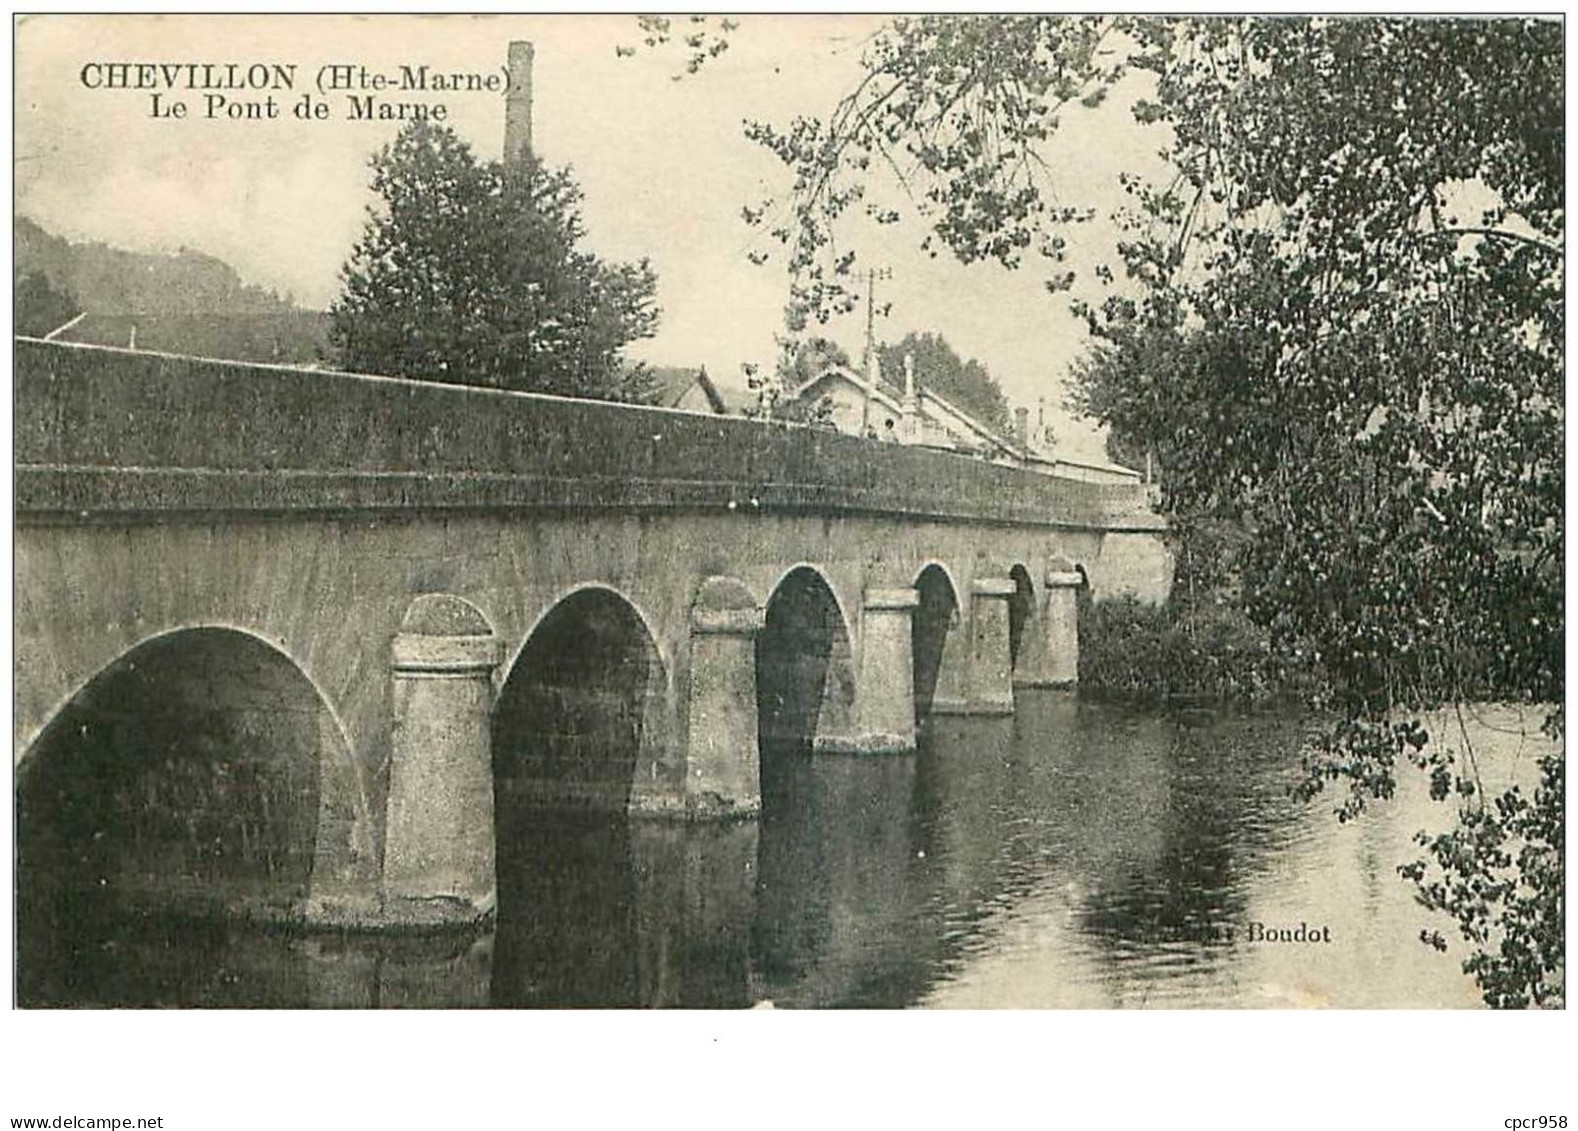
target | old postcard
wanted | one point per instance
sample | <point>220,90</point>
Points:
<point>787,511</point>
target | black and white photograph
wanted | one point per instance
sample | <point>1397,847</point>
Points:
<point>777,512</point>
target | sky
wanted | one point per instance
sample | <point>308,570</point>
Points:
<point>665,166</point>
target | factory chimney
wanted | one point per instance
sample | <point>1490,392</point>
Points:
<point>517,104</point>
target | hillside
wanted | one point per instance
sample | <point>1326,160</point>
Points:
<point>188,302</point>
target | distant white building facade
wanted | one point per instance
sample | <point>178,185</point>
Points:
<point>918,416</point>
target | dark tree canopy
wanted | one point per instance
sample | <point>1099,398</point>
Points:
<point>965,384</point>
<point>1100,369</point>
<point>472,273</point>
<point>1321,348</point>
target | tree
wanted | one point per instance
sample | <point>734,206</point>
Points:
<point>956,111</point>
<point>966,384</point>
<point>1344,330</point>
<point>1097,375</point>
<point>39,307</point>
<point>1337,319</point>
<point>800,361</point>
<point>473,273</point>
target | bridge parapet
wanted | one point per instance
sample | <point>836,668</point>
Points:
<point>106,430</point>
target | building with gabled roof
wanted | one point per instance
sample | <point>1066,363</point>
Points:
<point>681,387</point>
<point>919,416</point>
<point>916,416</point>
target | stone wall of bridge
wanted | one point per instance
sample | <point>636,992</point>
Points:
<point>100,429</point>
<point>310,513</point>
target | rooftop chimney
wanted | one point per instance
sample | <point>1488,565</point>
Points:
<point>517,104</point>
<point>1022,426</point>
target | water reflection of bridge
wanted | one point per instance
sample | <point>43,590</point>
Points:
<point>1071,847</point>
<point>294,644</point>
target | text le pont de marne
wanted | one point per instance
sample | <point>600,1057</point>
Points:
<point>262,91</point>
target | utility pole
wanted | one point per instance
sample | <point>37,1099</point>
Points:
<point>872,275</point>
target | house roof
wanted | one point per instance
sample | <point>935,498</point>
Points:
<point>883,394</point>
<point>1090,463</point>
<point>985,431</point>
<point>672,382</point>
<point>879,393</point>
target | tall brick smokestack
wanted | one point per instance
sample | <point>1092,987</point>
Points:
<point>517,104</point>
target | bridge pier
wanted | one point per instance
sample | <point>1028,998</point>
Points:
<point>989,688</point>
<point>884,716</point>
<point>1049,656</point>
<point>439,841</point>
<point>723,759</point>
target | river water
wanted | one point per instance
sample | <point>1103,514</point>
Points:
<point>1077,855</point>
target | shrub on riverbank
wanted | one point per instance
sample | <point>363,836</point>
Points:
<point>1210,654</point>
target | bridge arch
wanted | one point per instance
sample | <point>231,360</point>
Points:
<point>1021,609</point>
<point>581,715</point>
<point>188,772</point>
<point>819,573</point>
<point>805,671</point>
<point>936,615</point>
<point>567,593</point>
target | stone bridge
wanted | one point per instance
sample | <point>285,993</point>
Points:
<point>286,639</point>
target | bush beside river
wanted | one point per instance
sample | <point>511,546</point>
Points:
<point>1210,654</point>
